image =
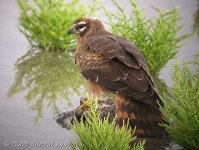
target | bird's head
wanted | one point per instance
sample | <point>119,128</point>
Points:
<point>86,26</point>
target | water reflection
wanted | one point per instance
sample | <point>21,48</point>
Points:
<point>51,78</point>
<point>47,78</point>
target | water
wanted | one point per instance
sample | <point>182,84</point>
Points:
<point>26,123</point>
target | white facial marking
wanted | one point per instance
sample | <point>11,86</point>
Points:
<point>82,29</point>
<point>82,22</point>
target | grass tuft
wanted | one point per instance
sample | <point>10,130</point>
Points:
<point>45,22</point>
<point>157,38</point>
<point>97,134</point>
<point>181,112</point>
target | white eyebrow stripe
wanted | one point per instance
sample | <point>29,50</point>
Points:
<point>82,22</point>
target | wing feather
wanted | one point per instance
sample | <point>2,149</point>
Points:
<point>117,65</point>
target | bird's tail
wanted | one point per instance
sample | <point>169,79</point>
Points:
<point>146,118</point>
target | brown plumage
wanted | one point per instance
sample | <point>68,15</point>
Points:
<point>112,63</point>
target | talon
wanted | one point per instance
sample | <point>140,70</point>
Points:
<point>84,105</point>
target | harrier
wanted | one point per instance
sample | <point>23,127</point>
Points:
<point>112,63</point>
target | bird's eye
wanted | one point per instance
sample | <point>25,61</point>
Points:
<point>81,26</point>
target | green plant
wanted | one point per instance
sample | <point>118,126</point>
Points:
<point>196,21</point>
<point>181,112</point>
<point>157,38</point>
<point>45,22</point>
<point>97,134</point>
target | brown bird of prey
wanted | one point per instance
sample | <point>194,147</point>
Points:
<point>112,63</point>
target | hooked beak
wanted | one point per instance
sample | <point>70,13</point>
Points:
<point>72,30</point>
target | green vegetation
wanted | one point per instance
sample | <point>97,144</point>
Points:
<point>46,77</point>
<point>45,22</point>
<point>181,112</point>
<point>196,21</point>
<point>97,134</point>
<point>157,38</point>
<point>47,72</point>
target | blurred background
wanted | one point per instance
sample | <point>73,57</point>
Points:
<point>33,118</point>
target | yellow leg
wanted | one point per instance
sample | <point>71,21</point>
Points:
<point>86,104</point>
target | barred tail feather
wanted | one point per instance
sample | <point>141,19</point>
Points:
<point>146,118</point>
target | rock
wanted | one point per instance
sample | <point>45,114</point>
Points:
<point>105,107</point>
